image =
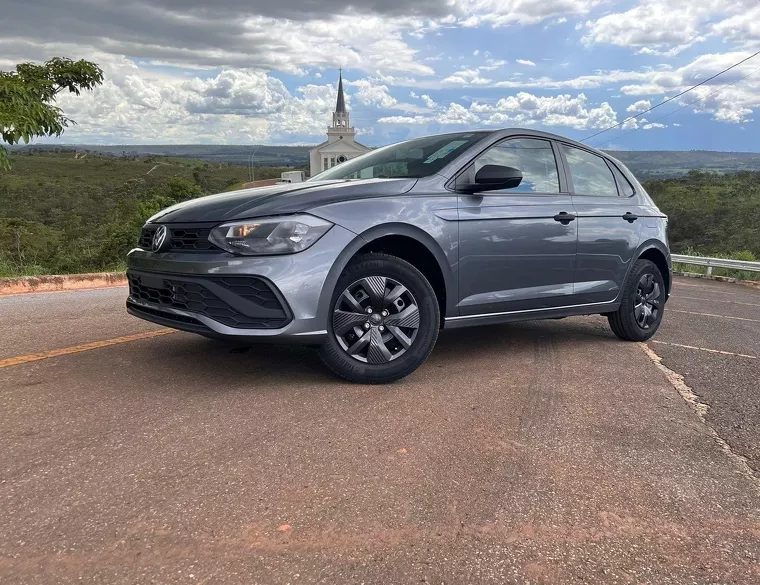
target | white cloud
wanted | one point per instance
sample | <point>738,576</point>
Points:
<point>525,12</point>
<point>639,106</point>
<point>742,27</point>
<point>492,64</point>
<point>428,101</point>
<point>522,109</point>
<point>457,114</point>
<point>466,77</point>
<point>668,27</point>
<point>729,98</point>
<point>371,94</point>
<point>525,62</point>
<point>404,120</point>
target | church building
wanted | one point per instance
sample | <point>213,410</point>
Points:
<point>340,144</point>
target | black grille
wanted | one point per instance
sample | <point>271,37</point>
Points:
<point>187,238</point>
<point>146,237</point>
<point>254,290</point>
<point>263,309</point>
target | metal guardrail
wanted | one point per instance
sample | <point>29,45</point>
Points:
<point>716,263</point>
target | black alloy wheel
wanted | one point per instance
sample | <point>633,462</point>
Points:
<point>641,305</point>
<point>646,307</point>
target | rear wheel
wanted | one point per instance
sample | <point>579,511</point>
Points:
<point>642,304</point>
<point>384,320</point>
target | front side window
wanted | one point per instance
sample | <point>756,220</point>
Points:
<point>421,157</point>
<point>590,173</point>
<point>533,157</point>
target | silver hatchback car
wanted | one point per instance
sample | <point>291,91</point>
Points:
<point>370,259</point>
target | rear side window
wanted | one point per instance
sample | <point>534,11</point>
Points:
<point>624,185</point>
<point>590,173</point>
<point>535,158</point>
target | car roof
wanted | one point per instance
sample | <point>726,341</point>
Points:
<point>549,136</point>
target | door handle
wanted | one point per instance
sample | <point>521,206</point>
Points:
<point>564,218</point>
<point>630,217</point>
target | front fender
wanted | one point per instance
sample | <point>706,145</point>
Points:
<point>368,236</point>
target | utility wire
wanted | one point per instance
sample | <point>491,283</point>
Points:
<point>686,106</point>
<point>670,99</point>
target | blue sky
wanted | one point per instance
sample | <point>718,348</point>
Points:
<point>249,72</point>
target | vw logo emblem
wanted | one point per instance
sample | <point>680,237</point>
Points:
<point>159,238</point>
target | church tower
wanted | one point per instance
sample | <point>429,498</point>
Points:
<point>340,145</point>
<point>340,126</point>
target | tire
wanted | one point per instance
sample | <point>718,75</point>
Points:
<point>639,315</point>
<point>404,335</point>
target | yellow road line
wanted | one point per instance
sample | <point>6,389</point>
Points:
<point>33,357</point>
<point>752,357</point>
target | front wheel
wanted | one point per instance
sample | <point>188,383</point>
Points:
<point>383,322</point>
<point>640,312</point>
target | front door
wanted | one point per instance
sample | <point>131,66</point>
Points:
<point>517,246</point>
<point>608,226</point>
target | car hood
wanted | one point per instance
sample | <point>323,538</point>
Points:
<point>279,199</point>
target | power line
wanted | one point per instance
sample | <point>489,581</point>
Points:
<point>670,99</point>
<point>687,105</point>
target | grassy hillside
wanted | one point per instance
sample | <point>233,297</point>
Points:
<point>61,214</point>
<point>709,213</point>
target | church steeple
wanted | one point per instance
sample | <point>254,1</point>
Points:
<point>340,145</point>
<point>340,115</point>
<point>340,107</point>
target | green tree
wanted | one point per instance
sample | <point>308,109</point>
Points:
<point>27,97</point>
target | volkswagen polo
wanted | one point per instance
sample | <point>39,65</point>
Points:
<point>370,259</point>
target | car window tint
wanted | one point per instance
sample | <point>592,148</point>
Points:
<point>535,158</point>
<point>590,173</point>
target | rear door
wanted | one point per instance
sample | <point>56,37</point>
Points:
<point>517,246</point>
<point>608,226</point>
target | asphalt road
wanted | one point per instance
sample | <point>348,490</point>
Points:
<point>543,452</point>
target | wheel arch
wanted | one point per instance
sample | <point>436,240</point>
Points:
<point>407,242</point>
<point>655,251</point>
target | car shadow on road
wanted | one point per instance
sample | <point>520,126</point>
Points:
<point>220,360</point>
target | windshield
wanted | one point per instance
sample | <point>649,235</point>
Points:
<point>416,158</point>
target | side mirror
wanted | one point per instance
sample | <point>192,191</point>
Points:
<point>493,178</point>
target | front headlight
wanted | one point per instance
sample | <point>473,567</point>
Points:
<point>269,235</point>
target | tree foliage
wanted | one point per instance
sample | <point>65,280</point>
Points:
<point>27,98</point>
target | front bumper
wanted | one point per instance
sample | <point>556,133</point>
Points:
<point>268,298</point>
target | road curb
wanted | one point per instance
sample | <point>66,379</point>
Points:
<point>31,284</point>
<point>752,283</point>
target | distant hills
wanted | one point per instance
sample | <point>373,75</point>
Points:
<point>646,164</point>
<point>262,155</point>
<point>653,164</point>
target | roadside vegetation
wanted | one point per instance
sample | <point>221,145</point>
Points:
<point>69,211</point>
<point>712,215</point>
<point>64,212</point>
